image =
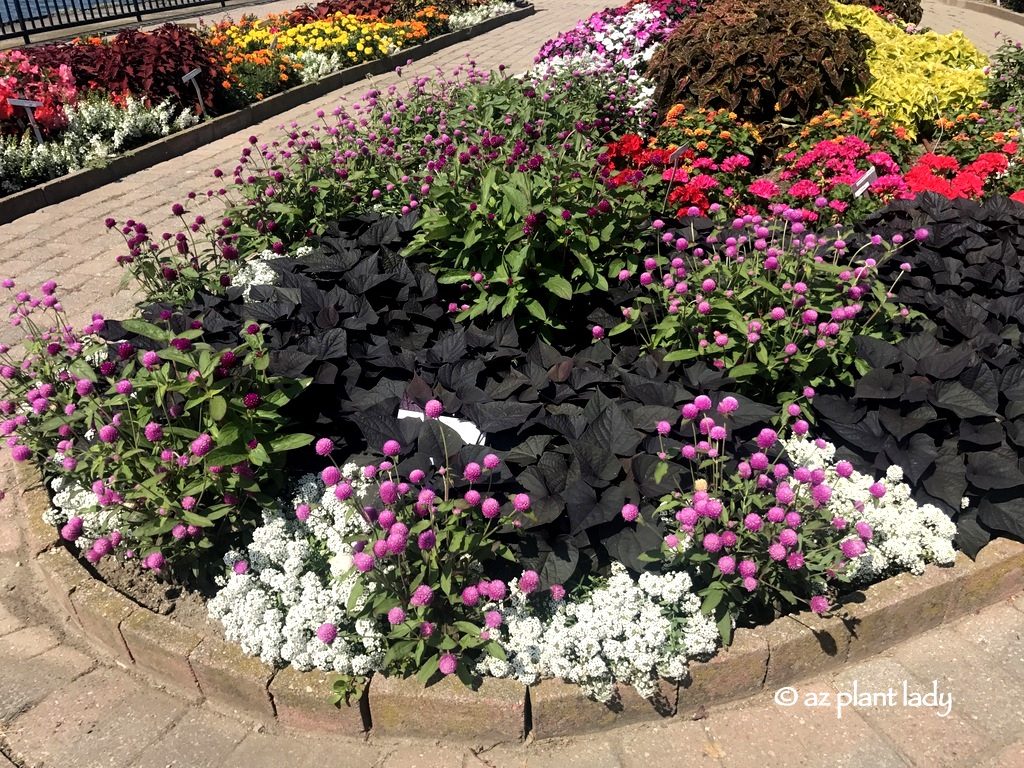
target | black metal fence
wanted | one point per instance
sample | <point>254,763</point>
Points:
<point>23,18</point>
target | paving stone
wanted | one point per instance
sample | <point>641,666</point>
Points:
<point>433,755</point>
<point>767,734</point>
<point>985,693</point>
<point>302,701</point>
<point>562,709</point>
<point>593,752</point>
<point>104,719</point>
<point>201,739</point>
<point>802,646</point>
<point>232,681</point>
<point>670,744</point>
<point>998,632</point>
<point>24,682</point>
<point>932,741</point>
<point>28,642</point>
<point>161,646</point>
<point>8,621</point>
<point>1011,756</point>
<point>259,750</point>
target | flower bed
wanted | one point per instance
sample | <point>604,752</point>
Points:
<point>521,377</point>
<point>131,89</point>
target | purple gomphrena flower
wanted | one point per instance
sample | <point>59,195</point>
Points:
<point>921,234</point>
<point>490,508</point>
<point>20,452</point>
<point>728,405</point>
<point>529,582</point>
<point>472,472</point>
<point>491,461</point>
<point>492,619</point>
<point>753,522</point>
<point>727,564</point>
<point>363,561</point>
<point>597,332</point>
<point>153,432</point>
<point>766,438</point>
<point>844,469</point>
<point>327,633</point>
<point>702,402</point>
<point>788,537</point>
<point>749,583</point>
<point>819,604</point>
<point>557,592</point>
<point>864,531</point>
<point>426,540</point>
<point>123,387</point>
<point>396,616</point>
<point>877,490</point>
<point>521,502</point>
<point>331,476</point>
<point>155,561</point>
<point>343,491</point>
<point>433,409</point>
<point>324,446</point>
<point>83,387</point>
<point>747,568</point>
<point>302,512</point>
<point>663,427</point>
<point>241,567</point>
<point>422,596</point>
<point>417,476</point>
<point>852,548</point>
<point>108,433</point>
<point>426,629</point>
<point>630,512</point>
<point>777,552</point>
<point>202,445</point>
<point>447,664</point>
<point>392,448</point>
<point>795,561</point>
<point>712,542</point>
<point>470,596</point>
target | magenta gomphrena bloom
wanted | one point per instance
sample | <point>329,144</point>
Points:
<point>392,448</point>
<point>302,512</point>
<point>343,491</point>
<point>788,537</point>
<point>202,445</point>
<point>728,405</point>
<point>747,568</point>
<point>819,604</point>
<point>396,616</point>
<point>470,596</point>
<point>388,492</point>
<point>155,561</point>
<point>795,561</point>
<point>123,387</point>
<point>784,493</point>
<point>557,592</point>
<point>241,567</point>
<point>108,433</point>
<point>447,664</point>
<point>852,548</point>
<point>877,490</point>
<point>844,469</point>
<point>597,332</point>
<point>753,522</point>
<point>153,432</point>
<point>821,494</point>
<point>521,502</point>
<point>324,446</point>
<point>433,409</point>
<point>690,411</point>
<point>472,472</point>
<point>712,542</point>
<point>491,461</point>
<point>327,633</point>
<point>70,532</point>
<point>727,564</point>
<point>331,476</point>
<point>490,508</point>
<point>20,452</point>
<point>864,531</point>
<point>421,596</point>
<point>749,583</point>
<point>426,540</point>
<point>83,387</point>
<point>766,438</point>
<point>921,234</point>
<point>702,402</point>
<point>363,561</point>
<point>417,476</point>
<point>529,582</point>
<point>180,531</point>
<point>492,619</point>
<point>630,512</point>
<point>776,551</point>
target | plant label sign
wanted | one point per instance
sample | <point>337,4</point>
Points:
<point>29,105</point>
<point>676,156</point>
<point>864,182</point>
<point>190,77</point>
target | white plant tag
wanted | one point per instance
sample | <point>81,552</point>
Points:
<point>864,182</point>
<point>467,430</point>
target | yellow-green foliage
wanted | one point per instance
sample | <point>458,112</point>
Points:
<point>914,77</point>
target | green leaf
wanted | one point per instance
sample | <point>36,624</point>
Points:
<point>496,651</point>
<point>143,328</point>
<point>428,670</point>
<point>681,354</point>
<point>725,628</point>
<point>290,442</point>
<point>354,595</point>
<point>660,470</point>
<point>218,408</point>
<point>559,286</point>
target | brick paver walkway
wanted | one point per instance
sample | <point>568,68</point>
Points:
<point>62,705</point>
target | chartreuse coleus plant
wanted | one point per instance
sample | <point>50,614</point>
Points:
<point>179,442</point>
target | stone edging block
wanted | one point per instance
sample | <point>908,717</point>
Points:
<point>78,183</point>
<point>794,647</point>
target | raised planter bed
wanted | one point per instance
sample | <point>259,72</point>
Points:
<point>66,187</point>
<point>203,667</point>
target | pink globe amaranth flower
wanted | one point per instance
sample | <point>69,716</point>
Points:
<point>864,531</point>
<point>363,561</point>
<point>330,476</point>
<point>557,592</point>
<point>749,583</point>
<point>493,619</point>
<point>728,405</point>
<point>784,494</point>
<point>729,539</point>
<point>529,582</point>
<point>380,548</point>
<point>20,452</point>
<point>153,432</point>
<point>179,532</point>
<point>597,332</point>
<point>490,508</point>
<point>753,522</point>
<point>470,596</point>
<point>343,491</point>
<point>766,438</point>
<point>496,590</point>
<point>711,542</point>
<point>788,537</point>
<point>472,472</point>
<point>433,409</point>
<point>386,519</point>
<point>155,561</point>
<point>324,446</point>
<point>472,497</point>
<point>388,492</point>
<point>417,476</point>
<point>108,433</point>
<point>392,448</point>
<point>93,556</point>
<point>188,502</point>
<point>793,519</point>
<point>83,387</point>
<point>241,567</point>
<point>821,494</point>
<point>690,411</point>
<point>426,540</point>
<point>396,616</point>
<point>69,532</point>
<point>777,552</point>
<point>877,490</point>
<point>521,502</point>
<point>852,548</point>
<point>747,568</point>
<point>123,387</point>
<point>302,512</point>
<point>447,664</point>
<point>795,561</point>
<point>630,512</point>
<point>202,445</point>
<point>491,461</point>
<point>702,402</point>
<point>759,461</point>
<point>775,515</point>
<point>327,633</point>
<point>663,427</point>
<point>844,469</point>
<point>426,629</point>
<point>727,564</point>
<point>819,604</point>
<point>422,596</point>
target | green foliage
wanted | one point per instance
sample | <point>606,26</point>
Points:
<point>764,60</point>
<point>1006,78</point>
<point>914,78</point>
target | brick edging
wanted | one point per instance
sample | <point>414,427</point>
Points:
<point>207,668</point>
<point>79,182</point>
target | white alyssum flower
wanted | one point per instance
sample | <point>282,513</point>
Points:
<point>69,499</point>
<point>473,16</point>
<point>623,631</point>
<point>907,535</point>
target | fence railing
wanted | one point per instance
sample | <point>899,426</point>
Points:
<point>24,18</point>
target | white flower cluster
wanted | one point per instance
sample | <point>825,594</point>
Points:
<point>97,129</point>
<point>255,270</point>
<point>907,535</point>
<point>623,631</point>
<point>472,16</point>
<point>68,500</point>
<point>299,577</point>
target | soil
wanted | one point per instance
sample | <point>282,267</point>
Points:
<point>149,591</point>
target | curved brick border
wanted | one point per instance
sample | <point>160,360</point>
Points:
<point>73,184</point>
<point>207,668</point>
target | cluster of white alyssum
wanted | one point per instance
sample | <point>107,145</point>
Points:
<point>472,16</point>
<point>294,578</point>
<point>622,631</point>
<point>907,535</point>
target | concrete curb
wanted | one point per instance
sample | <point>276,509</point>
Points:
<point>206,668</point>
<point>73,184</point>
